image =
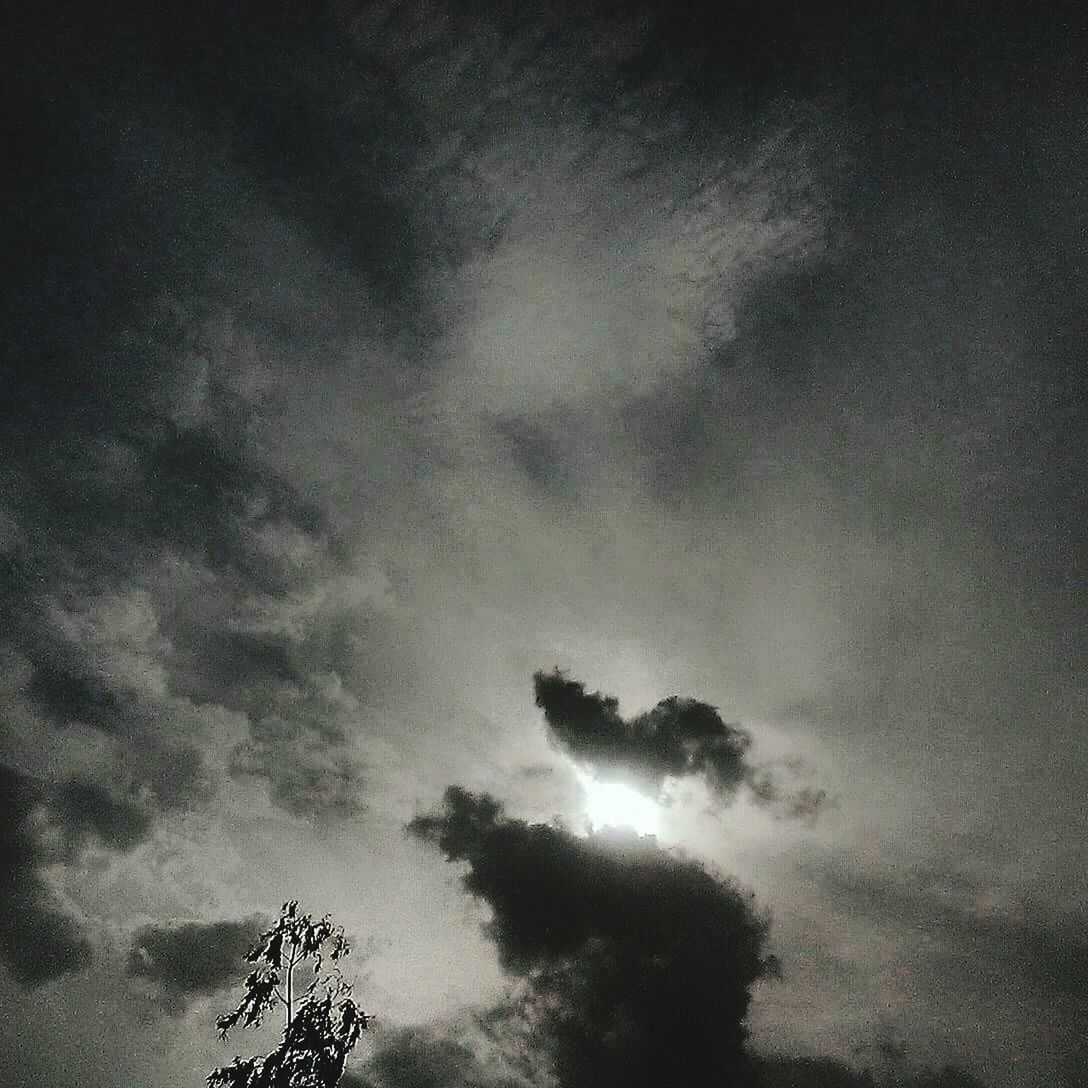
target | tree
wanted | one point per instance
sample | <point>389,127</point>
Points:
<point>321,1021</point>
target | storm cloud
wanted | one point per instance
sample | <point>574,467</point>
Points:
<point>637,965</point>
<point>632,963</point>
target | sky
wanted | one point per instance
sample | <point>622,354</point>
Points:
<point>421,417</point>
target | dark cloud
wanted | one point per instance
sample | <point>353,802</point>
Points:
<point>678,737</point>
<point>810,1073</point>
<point>977,928</point>
<point>969,936</point>
<point>948,1076</point>
<point>40,825</point>
<point>431,1057</point>
<point>637,965</point>
<point>193,959</point>
<point>285,91</point>
<point>37,941</point>
<point>68,697</point>
<point>84,809</point>
<point>417,1058</point>
<point>96,659</point>
<point>830,1073</point>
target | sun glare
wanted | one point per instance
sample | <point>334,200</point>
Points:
<point>611,804</point>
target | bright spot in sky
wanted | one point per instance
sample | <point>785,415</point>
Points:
<point>612,804</point>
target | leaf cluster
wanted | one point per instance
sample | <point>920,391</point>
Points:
<point>312,1051</point>
<point>322,1024</point>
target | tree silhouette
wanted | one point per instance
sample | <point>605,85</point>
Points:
<point>321,1021</point>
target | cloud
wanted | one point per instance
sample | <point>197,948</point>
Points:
<point>636,965</point>
<point>40,825</point>
<point>142,450</point>
<point>84,809</point>
<point>284,221</point>
<point>193,959</point>
<point>975,928</point>
<point>677,738</point>
<point>810,1073</point>
<point>419,1059</point>
<point>455,1053</point>
<point>119,533</point>
<point>932,945</point>
<point>781,1072</point>
<point>767,788</point>
<point>37,941</point>
<point>97,662</point>
<point>434,1056</point>
<point>201,234</point>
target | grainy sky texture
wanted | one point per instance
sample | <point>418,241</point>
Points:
<point>361,361</point>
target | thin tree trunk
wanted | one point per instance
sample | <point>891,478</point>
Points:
<point>290,972</point>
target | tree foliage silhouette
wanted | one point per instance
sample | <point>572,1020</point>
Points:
<point>321,1021</point>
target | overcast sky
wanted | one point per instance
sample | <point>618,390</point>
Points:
<point>362,360</point>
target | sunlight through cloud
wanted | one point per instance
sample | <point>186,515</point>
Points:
<point>612,804</point>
